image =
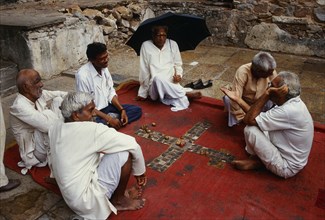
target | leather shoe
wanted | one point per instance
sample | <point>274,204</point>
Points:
<point>13,183</point>
<point>207,84</point>
<point>203,85</point>
<point>195,85</point>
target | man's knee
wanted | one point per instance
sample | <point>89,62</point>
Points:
<point>251,131</point>
<point>158,80</point>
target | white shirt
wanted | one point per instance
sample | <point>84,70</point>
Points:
<point>100,86</point>
<point>153,62</point>
<point>291,130</point>
<point>75,154</point>
<point>26,117</point>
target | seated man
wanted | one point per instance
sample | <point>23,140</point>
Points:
<point>250,82</point>
<point>161,71</point>
<point>92,163</point>
<point>5,183</point>
<point>32,113</point>
<point>94,78</point>
<point>285,150</point>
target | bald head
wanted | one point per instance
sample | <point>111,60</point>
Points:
<point>23,77</point>
<point>29,84</point>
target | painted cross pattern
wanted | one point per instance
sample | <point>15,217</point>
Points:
<point>217,157</point>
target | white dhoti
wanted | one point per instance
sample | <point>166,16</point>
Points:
<point>169,93</point>
<point>41,139</point>
<point>257,143</point>
<point>109,171</point>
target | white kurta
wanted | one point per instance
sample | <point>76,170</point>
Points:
<point>30,123</point>
<point>100,86</point>
<point>291,130</point>
<point>162,64</point>
<point>76,149</point>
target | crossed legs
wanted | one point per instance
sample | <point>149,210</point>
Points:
<point>113,173</point>
<point>263,152</point>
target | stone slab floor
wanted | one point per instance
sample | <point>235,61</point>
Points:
<point>31,201</point>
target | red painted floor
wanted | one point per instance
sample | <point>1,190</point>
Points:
<point>190,188</point>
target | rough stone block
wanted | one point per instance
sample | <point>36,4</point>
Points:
<point>289,20</point>
<point>8,72</point>
<point>320,14</point>
<point>271,37</point>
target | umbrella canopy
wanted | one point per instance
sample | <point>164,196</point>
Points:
<point>187,30</point>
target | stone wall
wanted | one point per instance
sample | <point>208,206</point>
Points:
<point>50,48</point>
<point>61,47</point>
<point>290,26</point>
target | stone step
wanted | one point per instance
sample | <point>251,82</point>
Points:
<point>8,72</point>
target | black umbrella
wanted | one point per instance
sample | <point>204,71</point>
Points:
<point>187,30</point>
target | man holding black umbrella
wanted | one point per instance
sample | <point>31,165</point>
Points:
<point>161,71</point>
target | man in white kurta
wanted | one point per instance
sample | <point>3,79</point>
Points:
<point>290,129</point>
<point>78,149</point>
<point>282,137</point>
<point>95,78</point>
<point>161,71</point>
<point>32,113</point>
<point>5,183</point>
<point>101,86</point>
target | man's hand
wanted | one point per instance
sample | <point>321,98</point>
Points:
<point>278,92</point>
<point>124,117</point>
<point>231,94</point>
<point>115,123</point>
<point>177,78</point>
<point>139,98</point>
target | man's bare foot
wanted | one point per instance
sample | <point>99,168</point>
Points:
<point>194,95</point>
<point>135,192</point>
<point>125,204</point>
<point>249,164</point>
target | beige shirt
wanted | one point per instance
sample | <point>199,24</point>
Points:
<point>76,149</point>
<point>247,87</point>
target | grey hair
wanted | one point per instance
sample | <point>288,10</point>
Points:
<point>292,81</point>
<point>263,61</point>
<point>74,101</point>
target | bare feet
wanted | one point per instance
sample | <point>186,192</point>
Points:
<point>134,192</point>
<point>125,204</point>
<point>194,95</point>
<point>249,164</point>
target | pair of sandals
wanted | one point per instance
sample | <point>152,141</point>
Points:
<point>199,84</point>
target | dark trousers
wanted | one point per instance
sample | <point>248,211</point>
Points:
<point>132,111</point>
